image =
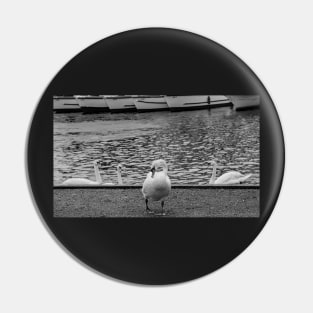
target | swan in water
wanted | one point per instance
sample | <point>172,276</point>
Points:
<point>157,185</point>
<point>227,178</point>
<point>84,181</point>
<point>119,168</point>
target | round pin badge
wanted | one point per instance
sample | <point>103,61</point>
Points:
<point>155,156</point>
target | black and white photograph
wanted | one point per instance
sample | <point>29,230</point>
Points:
<point>155,156</point>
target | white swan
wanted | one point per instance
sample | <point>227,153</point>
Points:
<point>157,185</point>
<point>119,168</point>
<point>227,178</point>
<point>84,181</point>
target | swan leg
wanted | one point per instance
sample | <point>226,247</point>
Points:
<point>162,205</point>
<point>147,208</point>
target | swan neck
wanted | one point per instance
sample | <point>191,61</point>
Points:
<point>119,177</point>
<point>213,177</point>
<point>97,173</point>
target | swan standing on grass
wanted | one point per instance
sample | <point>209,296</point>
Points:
<point>227,178</point>
<point>85,181</point>
<point>157,185</point>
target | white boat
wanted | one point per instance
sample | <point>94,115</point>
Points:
<point>118,104</point>
<point>245,102</point>
<point>182,103</point>
<point>219,101</point>
<point>65,104</point>
<point>151,104</point>
<point>92,104</point>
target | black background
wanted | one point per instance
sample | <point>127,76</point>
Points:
<point>162,250</point>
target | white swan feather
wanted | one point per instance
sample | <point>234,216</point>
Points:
<point>228,178</point>
<point>84,181</point>
<point>157,185</point>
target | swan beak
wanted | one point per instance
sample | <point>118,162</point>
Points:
<point>153,171</point>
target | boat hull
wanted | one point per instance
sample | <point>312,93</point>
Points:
<point>121,104</point>
<point>242,103</point>
<point>220,102</point>
<point>95,109</point>
<point>65,105</point>
<point>182,103</point>
<point>151,104</point>
<point>93,104</point>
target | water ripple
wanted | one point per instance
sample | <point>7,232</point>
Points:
<point>186,140</point>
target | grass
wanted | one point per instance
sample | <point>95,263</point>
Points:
<point>182,202</point>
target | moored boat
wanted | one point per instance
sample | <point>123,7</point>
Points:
<point>219,101</point>
<point>245,102</point>
<point>119,104</point>
<point>92,104</point>
<point>151,104</point>
<point>65,104</point>
<point>182,103</point>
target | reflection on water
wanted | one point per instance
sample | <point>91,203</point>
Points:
<point>186,140</point>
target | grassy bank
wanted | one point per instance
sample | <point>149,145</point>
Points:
<point>183,202</point>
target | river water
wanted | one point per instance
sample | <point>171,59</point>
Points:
<point>186,140</point>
